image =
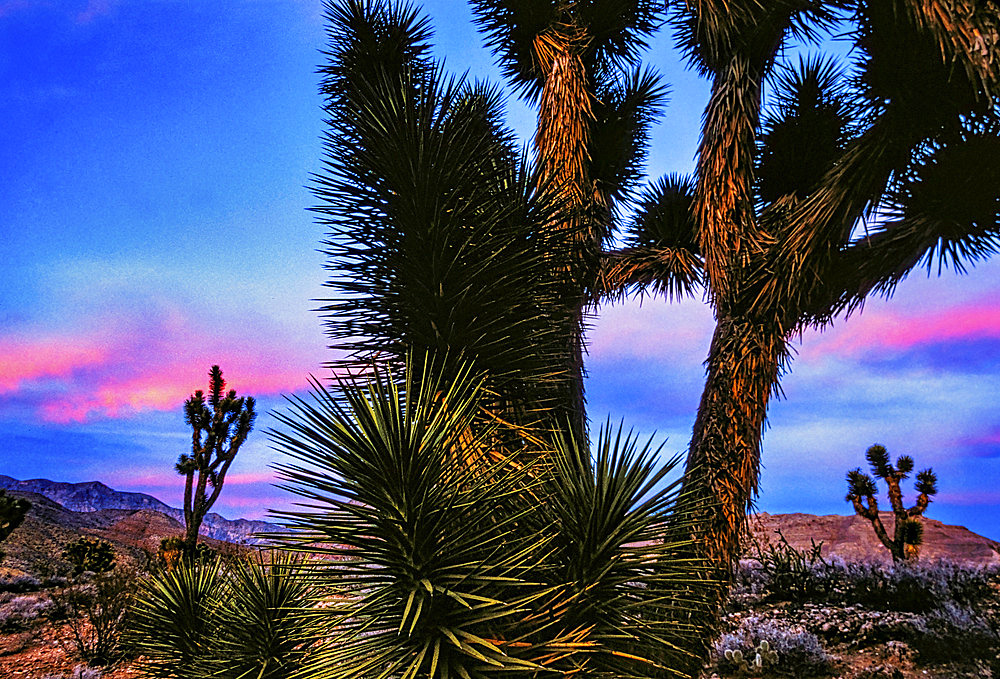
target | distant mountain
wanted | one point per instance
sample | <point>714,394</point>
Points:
<point>851,538</point>
<point>94,496</point>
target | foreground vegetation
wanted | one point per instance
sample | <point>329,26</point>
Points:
<point>264,615</point>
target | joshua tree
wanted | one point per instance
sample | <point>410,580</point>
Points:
<point>444,242</point>
<point>12,513</point>
<point>578,61</point>
<point>799,211</point>
<point>908,532</point>
<point>219,427</point>
<point>89,554</point>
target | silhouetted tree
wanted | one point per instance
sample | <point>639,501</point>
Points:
<point>219,427</point>
<point>12,513</point>
<point>89,554</point>
<point>908,533</point>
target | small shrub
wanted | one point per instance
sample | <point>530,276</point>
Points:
<point>19,584</point>
<point>787,650</point>
<point>171,553</point>
<point>22,610</point>
<point>915,587</point>
<point>98,613</point>
<point>89,554</point>
<point>174,620</point>
<point>953,633</point>
<point>779,572</point>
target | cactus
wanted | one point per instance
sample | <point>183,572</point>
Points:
<point>861,490</point>
<point>735,656</point>
<point>226,422</point>
<point>12,513</point>
<point>763,658</point>
<point>766,655</point>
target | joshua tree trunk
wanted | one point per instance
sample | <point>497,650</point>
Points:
<point>724,459</point>
<point>562,139</point>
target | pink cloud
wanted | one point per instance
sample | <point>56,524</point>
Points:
<point>887,330</point>
<point>25,360</point>
<point>655,331</point>
<point>128,367</point>
<point>970,498</point>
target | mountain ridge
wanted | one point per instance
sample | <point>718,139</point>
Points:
<point>95,496</point>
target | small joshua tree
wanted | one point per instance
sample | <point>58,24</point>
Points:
<point>219,428</point>
<point>89,554</point>
<point>908,532</point>
<point>12,513</point>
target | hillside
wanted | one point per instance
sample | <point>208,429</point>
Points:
<point>94,496</point>
<point>36,545</point>
<point>851,538</point>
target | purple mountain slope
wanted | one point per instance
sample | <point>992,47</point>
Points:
<point>92,496</point>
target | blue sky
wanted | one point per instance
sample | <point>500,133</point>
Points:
<point>155,155</point>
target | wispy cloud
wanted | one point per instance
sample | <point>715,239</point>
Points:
<point>135,338</point>
<point>891,331</point>
<point>27,359</point>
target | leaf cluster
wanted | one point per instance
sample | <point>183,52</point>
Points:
<point>438,238</point>
<point>89,554</point>
<point>240,620</point>
<point>459,545</point>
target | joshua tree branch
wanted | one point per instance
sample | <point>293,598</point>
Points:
<point>673,272</point>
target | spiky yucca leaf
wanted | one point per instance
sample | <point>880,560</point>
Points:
<point>462,548</point>
<point>174,620</point>
<point>926,482</point>
<point>622,559</point>
<point>614,33</point>
<point>804,129</point>
<point>878,460</point>
<point>624,110</point>
<point>860,485</point>
<point>258,625</point>
<point>661,252</point>
<point>420,503</point>
<point>904,465</point>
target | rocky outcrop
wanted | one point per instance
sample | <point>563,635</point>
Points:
<point>851,538</point>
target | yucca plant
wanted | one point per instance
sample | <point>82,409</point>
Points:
<point>622,538</point>
<point>457,546</point>
<point>258,630</point>
<point>174,620</point>
<point>240,620</point>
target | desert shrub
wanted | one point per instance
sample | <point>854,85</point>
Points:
<point>79,672</point>
<point>21,611</point>
<point>785,650</point>
<point>19,584</point>
<point>779,572</point>
<point>171,552</point>
<point>782,573</point>
<point>954,633</point>
<point>89,554</point>
<point>98,613</point>
<point>915,587</point>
